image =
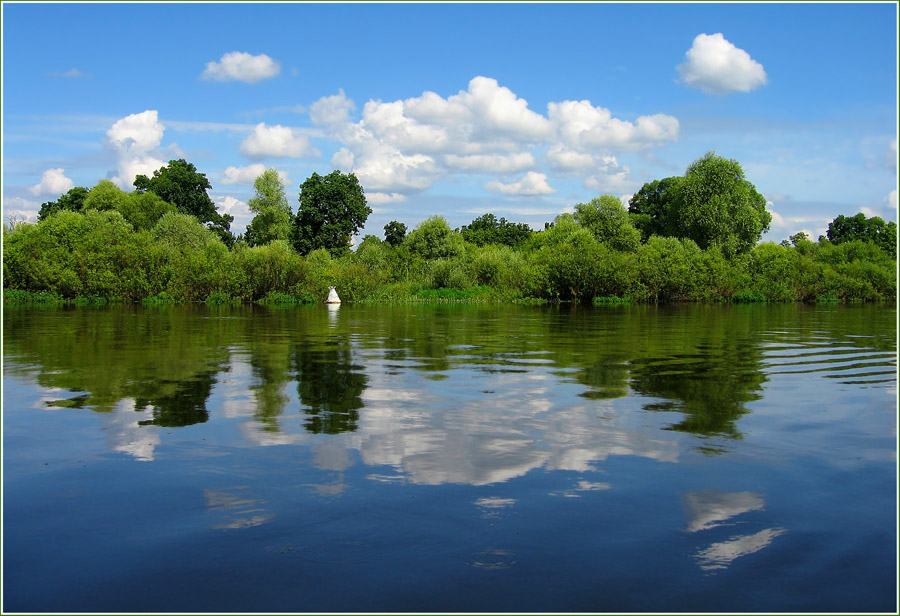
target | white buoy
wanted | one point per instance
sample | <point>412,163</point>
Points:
<point>332,297</point>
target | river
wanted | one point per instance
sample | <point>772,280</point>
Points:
<point>450,458</point>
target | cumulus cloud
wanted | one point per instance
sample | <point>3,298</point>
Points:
<point>137,133</point>
<point>245,176</point>
<point>406,145</point>
<point>891,200</point>
<point>53,182</point>
<point>241,66</point>
<point>277,142</point>
<point>17,208</point>
<point>715,66</point>
<point>532,184</point>
<point>134,138</point>
<point>379,198</point>
<point>491,163</point>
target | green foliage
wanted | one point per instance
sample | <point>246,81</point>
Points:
<point>180,184</point>
<point>713,205</point>
<point>608,220</point>
<point>332,208</point>
<point>860,228</point>
<point>269,193</point>
<point>394,233</point>
<point>143,210</point>
<point>487,229</point>
<point>182,232</point>
<point>104,196</point>
<point>434,239</point>
<point>270,223</point>
<point>71,201</point>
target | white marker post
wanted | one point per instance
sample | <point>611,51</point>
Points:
<point>332,297</point>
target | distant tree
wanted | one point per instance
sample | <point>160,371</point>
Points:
<point>269,193</point>
<point>651,208</point>
<point>487,229</point>
<point>849,228</point>
<point>104,196</point>
<point>273,212</point>
<point>713,205</point>
<point>183,186</point>
<point>72,201</point>
<point>608,220</point>
<point>434,239</point>
<point>394,233</point>
<point>143,210</point>
<point>332,208</point>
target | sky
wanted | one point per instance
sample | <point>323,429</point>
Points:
<point>457,109</point>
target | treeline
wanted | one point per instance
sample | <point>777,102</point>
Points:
<point>690,238</point>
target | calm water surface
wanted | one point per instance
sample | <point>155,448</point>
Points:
<point>450,458</point>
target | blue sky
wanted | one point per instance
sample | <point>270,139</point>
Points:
<point>522,110</point>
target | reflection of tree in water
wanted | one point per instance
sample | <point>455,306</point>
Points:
<point>330,385</point>
<point>709,374</point>
<point>184,406</point>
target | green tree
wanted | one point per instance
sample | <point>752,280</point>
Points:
<point>71,201</point>
<point>608,220</point>
<point>487,229</point>
<point>713,205</point>
<point>143,210</point>
<point>183,186</point>
<point>273,213</point>
<point>104,196</point>
<point>849,228</point>
<point>434,239</point>
<point>332,208</point>
<point>650,208</point>
<point>394,233</point>
<point>269,193</point>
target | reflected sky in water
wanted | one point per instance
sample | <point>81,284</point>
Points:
<point>452,441</point>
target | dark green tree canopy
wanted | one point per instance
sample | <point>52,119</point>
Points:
<point>713,205</point>
<point>72,201</point>
<point>486,229</point>
<point>180,184</point>
<point>849,228</point>
<point>332,208</point>
<point>394,233</point>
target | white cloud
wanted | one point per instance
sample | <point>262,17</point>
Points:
<point>869,212</point>
<point>20,209</point>
<point>129,168</point>
<point>532,184</point>
<point>891,200</point>
<point>134,139</point>
<point>277,142</point>
<point>379,198</point>
<point>245,176</point>
<point>406,145</point>
<point>331,110</point>
<point>716,66</point>
<point>241,66</point>
<point>583,127</point>
<point>53,182</point>
<point>491,163</point>
<point>891,156</point>
<point>137,133</point>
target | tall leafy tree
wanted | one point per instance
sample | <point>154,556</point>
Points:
<point>608,220</point>
<point>332,209</point>
<point>713,205</point>
<point>487,229</point>
<point>273,212</point>
<point>72,201</point>
<point>849,228</point>
<point>394,233</point>
<point>183,186</point>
